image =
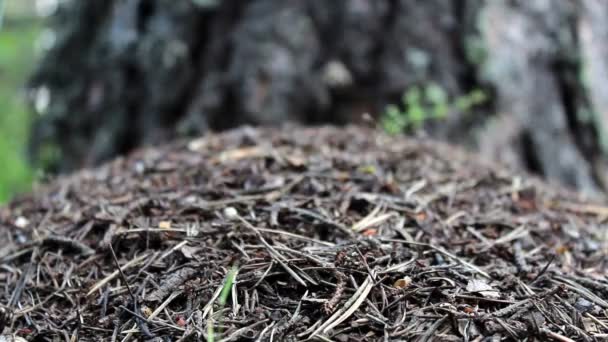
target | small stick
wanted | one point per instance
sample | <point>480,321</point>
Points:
<point>543,270</point>
<point>297,236</point>
<point>69,243</point>
<point>164,305</point>
<point>556,336</point>
<point>114,274</point>
<point>209,305</point>
<point>273,252</point>
<point>430,332</point>
<point>140,322</point>
<point>444,252</point>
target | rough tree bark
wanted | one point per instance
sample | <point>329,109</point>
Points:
<point>123,73</point>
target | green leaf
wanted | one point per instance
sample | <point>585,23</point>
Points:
<point>393,111</point>
<point>441,110</point>
<point>412,96</point>
<point>436,95</point>
<point>416,116</point>
<point>478,97</point>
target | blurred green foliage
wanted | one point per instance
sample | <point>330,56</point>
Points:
<point>17,57</point>
<point>423,103</point>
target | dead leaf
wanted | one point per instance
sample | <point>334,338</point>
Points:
<point>403,283</point>
<point>188,251</point>
<point>483,288</point>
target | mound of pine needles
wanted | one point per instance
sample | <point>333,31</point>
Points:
<point>302,234</point>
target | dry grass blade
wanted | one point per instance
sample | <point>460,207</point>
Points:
<point>163,305</point>
<point>273,252</point>
<point>582,290</point>
<point>209,306</point>
<point>296,236</point>
<point>368,222</point>
<point>347,309</point>
<point>116,273</point>
<point>462,262</point>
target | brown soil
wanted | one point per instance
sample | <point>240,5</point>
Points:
<point>330,234</point>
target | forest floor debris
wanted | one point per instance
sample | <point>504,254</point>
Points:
<point>302,234</point>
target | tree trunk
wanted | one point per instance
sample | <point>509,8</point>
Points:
<point>123,73</point>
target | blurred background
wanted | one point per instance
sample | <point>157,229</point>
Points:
<point>525,83</point>
<point>21,25</point>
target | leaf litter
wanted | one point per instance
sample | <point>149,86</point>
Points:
<point>302,234</point>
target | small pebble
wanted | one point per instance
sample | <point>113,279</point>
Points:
<point>21,222</point>
<point>583,305</point>
<point>230,213</point>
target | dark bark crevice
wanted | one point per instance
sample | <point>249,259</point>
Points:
<point>528,152</point>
